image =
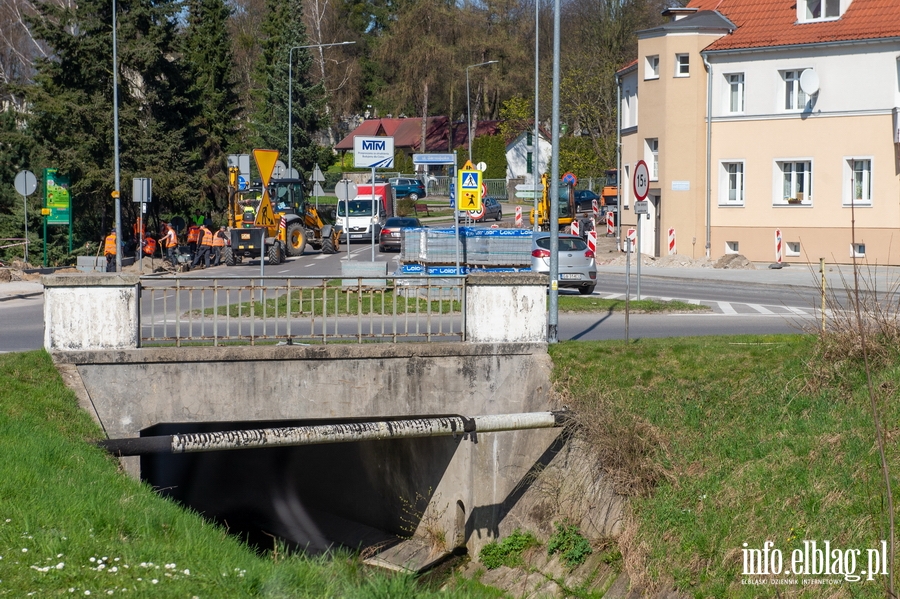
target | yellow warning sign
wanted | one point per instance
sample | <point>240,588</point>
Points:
<point>468,181</point>
<point>265,217</point>
<point>265,164</point>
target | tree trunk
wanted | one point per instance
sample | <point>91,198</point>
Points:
<point>424,117</point>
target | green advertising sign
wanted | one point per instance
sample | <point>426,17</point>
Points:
<point>56,197</point>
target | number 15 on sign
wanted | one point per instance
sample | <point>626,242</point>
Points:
<point>641,180</point>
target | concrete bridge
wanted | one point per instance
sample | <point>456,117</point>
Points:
<point>450,491</point>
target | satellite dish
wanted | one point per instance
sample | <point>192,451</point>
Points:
<point>809,82</point>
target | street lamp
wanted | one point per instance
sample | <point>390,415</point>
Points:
<point>291,95</point>
<point>115,194</point>
<point>469,101</point>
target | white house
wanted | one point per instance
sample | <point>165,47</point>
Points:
<point>520,156</point>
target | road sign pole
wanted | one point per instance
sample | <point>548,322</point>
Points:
<point>638,256</point>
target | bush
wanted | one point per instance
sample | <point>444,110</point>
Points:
<point>406,207</point>
<point>570,544</point>
<point>508,552</point>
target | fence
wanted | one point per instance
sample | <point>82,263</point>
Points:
<point>440,186</point>
<point>301,309</point>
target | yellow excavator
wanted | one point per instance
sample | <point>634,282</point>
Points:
<point>566,205</point>
<point>289,222</point>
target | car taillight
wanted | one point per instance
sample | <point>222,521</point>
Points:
<point>540,253</point>
<point>588,254</point>
<point>388,231</point>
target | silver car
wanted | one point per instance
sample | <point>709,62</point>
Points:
<point>577,269</point>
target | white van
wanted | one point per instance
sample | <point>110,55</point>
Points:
<point>366,216</point>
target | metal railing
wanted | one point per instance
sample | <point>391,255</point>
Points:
<point>301,309</point>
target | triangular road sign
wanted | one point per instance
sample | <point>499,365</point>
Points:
<point>468,166</point>
<point>265,163</point>
<point>317,176</point>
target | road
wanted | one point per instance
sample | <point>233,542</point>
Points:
<point>735,308</point>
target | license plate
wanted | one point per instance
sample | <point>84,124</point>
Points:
<point>569,276</point>
<point>357,236</point>
<point>245,235</point>
<point>395,234</point>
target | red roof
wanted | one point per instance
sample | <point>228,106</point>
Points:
<point>766,23</point>
<point>407,133</point>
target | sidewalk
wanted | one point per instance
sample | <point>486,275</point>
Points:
<point>10,290</point>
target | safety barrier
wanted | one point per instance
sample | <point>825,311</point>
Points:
<point>300,309</point>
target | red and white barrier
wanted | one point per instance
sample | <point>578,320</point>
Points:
<point>610,224</point>
<point>592,242</point>
<point>596,209</point>
<point>631,238</point>
<point>672,249</point>
<point>778,251</point>
<point>574,228</point>
<point>518,216</point>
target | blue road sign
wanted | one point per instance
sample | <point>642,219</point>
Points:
<point>242,182</point>
<point>452,196</point>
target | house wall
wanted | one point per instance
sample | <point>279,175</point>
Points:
<point>851,116</point>
<point>517,157</point>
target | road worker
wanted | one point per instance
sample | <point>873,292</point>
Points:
<point>219,244</point>
<point>206,243</point>
<point>169,242</point>
<point>193,238</point>
<point>110,247</point>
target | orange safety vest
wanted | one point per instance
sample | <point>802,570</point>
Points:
<point>170,240</point>
<point>149,246</point>
<point>219,239</point>
<point>109,246</point>
<point>207,236</point>
<point>193,235</point>
<point>139,230</point>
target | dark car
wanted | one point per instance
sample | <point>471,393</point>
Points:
<point>492,210</point>
<point>408,188</point>
<point>584,199</point>
<point>390,231</point>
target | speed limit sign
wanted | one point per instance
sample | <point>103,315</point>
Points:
<point>641,180</point>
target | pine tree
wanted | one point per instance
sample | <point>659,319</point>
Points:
<point>208,53</point>
<point>72,113</point>
<point>15,155</point>
<point>283,29</point>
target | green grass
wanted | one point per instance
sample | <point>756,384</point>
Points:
<point>720,442</point>
<point>572,303</point>
<point>71,522</point>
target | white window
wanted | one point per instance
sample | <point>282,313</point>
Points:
<point>857,182</point>
<point>731,184</point>
<point>792,248</point>
<point>651,69</point>
<point>682,65</point>
<point>651,157</point>
<point>732,247</point>
<point>626,187</point>
<point>794,97</point>
<point>857,250</point>
<point>819,10</point>
<point>796,183</point>
<point>735,102</point>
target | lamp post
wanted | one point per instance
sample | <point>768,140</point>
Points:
<point>469,101</point>
<point>115,192</point>
<point>291,95</point>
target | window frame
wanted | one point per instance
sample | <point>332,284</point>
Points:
<point>651,156</point>
<point>651,66</point>
<point>805,181</point>
<point>849,177</point>
<point>682,69</point>
<point>725,179</point>
<point>732,87</point>
<point>804,10</point>
<point>792,92</point>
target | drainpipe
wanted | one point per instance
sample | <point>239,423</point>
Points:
<point>618,161</point>
<point>709,75</point>
<point>437,426</point>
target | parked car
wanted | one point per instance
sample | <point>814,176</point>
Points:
<point>391,231</point>
<point>492,210</point>
<point>577,269</point>
<point>408,188</point>
<point>584,199</point>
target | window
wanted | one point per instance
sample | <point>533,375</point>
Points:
<point>731,187</point>
<point>529,163</point>
<point>732,247</point>
<point>651,157</point>
<point>794,98</point>
<point>651,69</point>
<point>682,65</point>
<point>820,10</point>
<point>857,250</point>
<point>857,188</point>
<point>796,183</point>
<point>735,92</point>
<point>792,248</point>
<point>528,138</point>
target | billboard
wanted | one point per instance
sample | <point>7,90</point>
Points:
<point>57,197</point>
<point>373,152</point>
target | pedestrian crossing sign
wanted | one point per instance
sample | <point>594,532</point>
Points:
<point>468,182</point>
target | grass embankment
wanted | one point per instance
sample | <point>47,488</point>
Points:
<point>72,524</point>
<point>727,441</point>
